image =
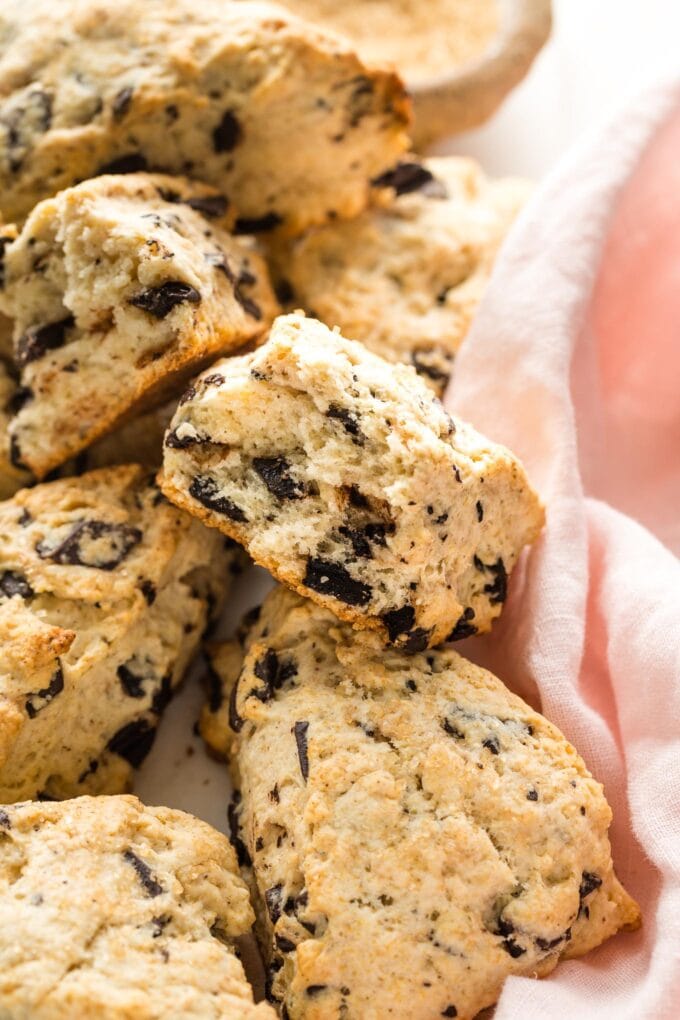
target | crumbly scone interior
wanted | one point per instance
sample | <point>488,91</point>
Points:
<point>117,295</point>
<point>379,492</point>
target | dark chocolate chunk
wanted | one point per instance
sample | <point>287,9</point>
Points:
<point>160,301</point>
<point>498,589</point>
<point>13,583</point>
<point>257,224</point>
<point>411,685</point>
<point>429,369</point>
<point>4,243</point>
<point>148,590</point>
<point>589,883</point>
<point>5,822</point>
<point>175,442</point>
<point>15,452</point>
<point>491,744</point>
<point>227,134</point>
<point>452,730</point>
<point>133,741</point>
<point>235,720</point>
<point>284,944</point>
<point>41,699</point>
<point>275,473</point>
<point>284,291</point>
<point>131,163</point>
<point>300,730</point>
<point>132,684</point>
<point>162,695</point>
<point>21,396</point>
<point>480,510</point>
<point>357,498</point>
<point>547,944</point>
<point>37,341</point>
<point>532,794</point>
<point>274,900</point>
<point>328,578</point>
<point>239,846</point>
<point>464,628</point>
<point>213,683</point>
<point>159,925</point>
<point>349,422</point>
<point>398,621</point>
<point>121,102</point>
<point>404,178</point>
<point>449,1011</point>
<point>357,539</point>
<point>247,279</point>
<point>273,672</point>
<point>210,206</point>
<point>206,491</point>
<point>96,544</point>
<point>512,948</point>
<point>216,379</point>
<point>150,884</point>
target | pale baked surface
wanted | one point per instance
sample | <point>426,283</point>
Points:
<point>406,279</point>
<point>344,476</point>
<point>119,289</point>
<point>416,832</point>
<point>105,591</point>
<point>113,910</point>
<point>283,118</point>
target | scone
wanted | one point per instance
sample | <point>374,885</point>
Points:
<point>416,834</point>
<point>113,910</point>
<point>283,118</point>
<point>344,476</point>
<point>120,288</point>
<point>12,478</point>
<point>406,279</point>
<point>105,591</point>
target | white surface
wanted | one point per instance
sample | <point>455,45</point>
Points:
<point>601,52</point>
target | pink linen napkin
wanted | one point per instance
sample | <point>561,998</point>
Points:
<point>574,363</point>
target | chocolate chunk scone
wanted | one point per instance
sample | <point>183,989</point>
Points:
<point>105,591</point>
<point>11,477</point>
<point>119,289</point>
<point>344,476</point>
<point>418,833</point>
<point>406,279</point>
<point>285,119</point>
<point>113,910</point>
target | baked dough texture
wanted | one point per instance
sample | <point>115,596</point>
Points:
<point>105,591</point>
<point>414,832</point>
<point>344,476</point>
<point>119,289</point>
<point>116,911</point>
<point>406,278</point>
<point>283,118</point>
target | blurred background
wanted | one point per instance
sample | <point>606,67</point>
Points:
<point>600,52</point>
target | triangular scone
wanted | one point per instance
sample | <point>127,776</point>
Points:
<point>105,591</point>
<point>114,910</point>
<point>120,288</point>
<point>406,279</point>
<point>282,117</point>
<point>414,832</point>
<point>343,475</point>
